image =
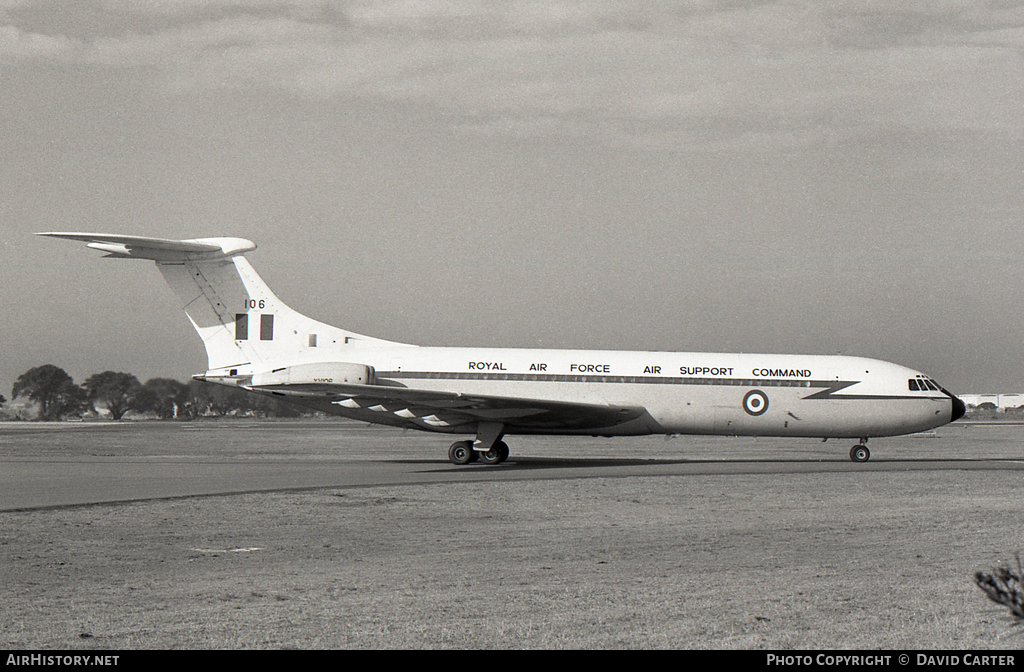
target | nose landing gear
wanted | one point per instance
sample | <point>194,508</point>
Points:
<point>860,452</point>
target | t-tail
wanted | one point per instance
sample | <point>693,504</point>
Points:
<point>245,327</point>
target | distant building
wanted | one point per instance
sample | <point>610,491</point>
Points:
<point>1001,401</point>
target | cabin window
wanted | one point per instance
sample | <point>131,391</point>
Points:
<point>266,327</point>
<point>913,385</point>
<point>312,340</point>
<point>241,326</point>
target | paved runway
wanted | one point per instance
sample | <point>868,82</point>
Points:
<point>66,465</point>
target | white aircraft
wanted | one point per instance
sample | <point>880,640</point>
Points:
<point>256,342</point>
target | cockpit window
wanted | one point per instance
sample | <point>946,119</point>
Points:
<point>922,384</point>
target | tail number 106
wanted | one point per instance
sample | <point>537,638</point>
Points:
<point>253,303</point>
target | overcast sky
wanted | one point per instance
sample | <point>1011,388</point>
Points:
<point>798,177</point>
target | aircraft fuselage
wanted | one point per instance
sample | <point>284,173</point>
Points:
<point>683,393</point>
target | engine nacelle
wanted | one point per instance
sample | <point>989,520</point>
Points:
<point>322,373</point>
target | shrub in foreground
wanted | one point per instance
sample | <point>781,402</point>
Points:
<point>1004,586</point>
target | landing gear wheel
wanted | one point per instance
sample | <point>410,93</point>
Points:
<point>860,453</point>
<point>496,455</point>
<point>461,452</point>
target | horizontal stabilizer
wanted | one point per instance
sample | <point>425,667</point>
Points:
<point>160,249</point>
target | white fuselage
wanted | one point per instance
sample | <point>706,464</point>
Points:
<point>683,393</point>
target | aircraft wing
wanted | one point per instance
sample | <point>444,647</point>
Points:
<point>433,409</point>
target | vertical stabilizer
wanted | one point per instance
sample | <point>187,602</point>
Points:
<point>217,303</point>
<point>240,320</point>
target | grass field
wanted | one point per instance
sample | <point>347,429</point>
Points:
<point>847,559</point>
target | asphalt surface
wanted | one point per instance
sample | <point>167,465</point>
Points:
<point>45,466</point>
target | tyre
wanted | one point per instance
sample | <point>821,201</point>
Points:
<point>461,452</point>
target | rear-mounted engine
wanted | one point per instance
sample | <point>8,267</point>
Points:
<point>322,373</point>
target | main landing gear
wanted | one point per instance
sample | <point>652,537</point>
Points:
<point>488,446</point>
<point>860,452</point>
<point>462,452</point>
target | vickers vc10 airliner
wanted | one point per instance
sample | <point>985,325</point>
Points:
<point>256,342</point>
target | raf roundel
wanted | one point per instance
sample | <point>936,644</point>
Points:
<point>755,402</point>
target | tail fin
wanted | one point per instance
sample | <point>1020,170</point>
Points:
<point>239,319</point>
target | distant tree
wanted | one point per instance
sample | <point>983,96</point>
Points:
<point>53,389</point>
<point>164,396</point>
<point>144,400</point>
<point>114,390</point>
<point>209,399</point>
<point>198,399</point>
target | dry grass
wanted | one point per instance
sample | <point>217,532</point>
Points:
<point>700,562</point>
<point>879,560</point>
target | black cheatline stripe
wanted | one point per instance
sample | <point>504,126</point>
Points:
<point>831,387</point>
<point>830,391</point>
<point>634,380</point>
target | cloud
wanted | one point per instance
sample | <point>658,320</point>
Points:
<point>19,45</point>
<point>716,71</point>
<point>878,25</point>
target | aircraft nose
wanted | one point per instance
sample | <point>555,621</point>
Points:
<point>959,408</point>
